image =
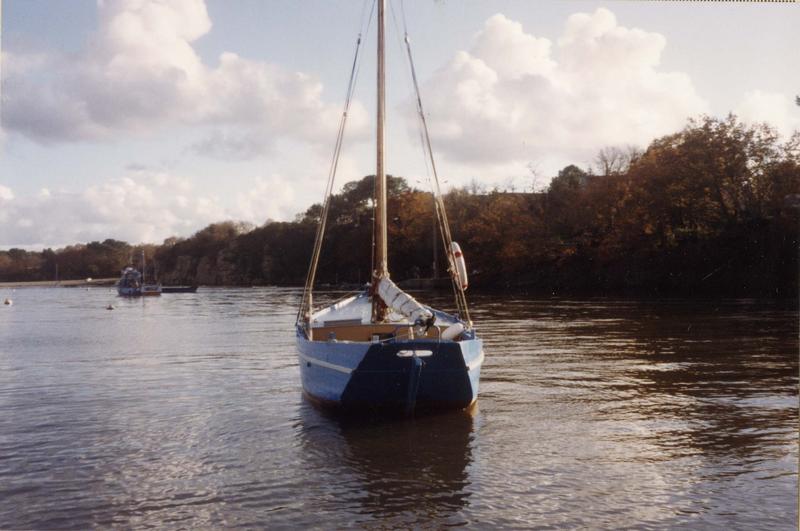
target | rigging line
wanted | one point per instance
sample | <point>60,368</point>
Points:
<point>371,13</point>
<point>444,229</point>
<point>374,180</point>
<point>425,144</point>
<point>372,247</point>
<point>401,44</point>
<point>403,13</point>
<point>363,11</point>
<point>421,130</point>
<point>369,26</point>
<point>438,206</point>
<point>441,218</point>
<point>398,33</point>
<point>306,301</point>
<point>460,297</point>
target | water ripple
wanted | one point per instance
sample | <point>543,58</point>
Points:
<point>186,412</point>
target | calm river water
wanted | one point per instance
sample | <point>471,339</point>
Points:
<point>186,412</point>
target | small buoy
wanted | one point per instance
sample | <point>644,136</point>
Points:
<point>8,302</point>
<point>110,307</point>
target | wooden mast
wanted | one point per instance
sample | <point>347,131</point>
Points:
<point>380,256</point>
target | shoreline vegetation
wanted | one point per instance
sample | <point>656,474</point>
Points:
<point>712,210</point>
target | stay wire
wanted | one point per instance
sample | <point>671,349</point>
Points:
<point>375,180</point>
<point>401,45</point>
<point>441,214</point>
<point>306,302</point>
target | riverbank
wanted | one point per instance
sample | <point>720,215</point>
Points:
<point>61,283</point>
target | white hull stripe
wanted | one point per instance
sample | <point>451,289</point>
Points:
<point>477,362</point>
<point>325,364</point>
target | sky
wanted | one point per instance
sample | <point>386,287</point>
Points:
<point>144,119</point>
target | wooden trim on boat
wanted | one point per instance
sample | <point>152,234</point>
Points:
<point>364,333</point>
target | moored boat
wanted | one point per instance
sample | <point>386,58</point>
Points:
<point>178,289</point>
<point>380,349</point>
<point>151,290</point>
<point>395,365</point>
<point>130,283</point>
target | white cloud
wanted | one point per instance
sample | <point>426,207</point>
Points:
<point>141,206</point>
<point>18,64</point>
<point>139,71</point>
<point>271,198</point>
<point>778,110</point>
<point>516,53</point>
<point>5,194</point>
<point>512,99</point>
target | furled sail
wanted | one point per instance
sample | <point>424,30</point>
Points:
<point>404,303</point>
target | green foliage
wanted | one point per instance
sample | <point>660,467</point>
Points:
<point>712,209</point>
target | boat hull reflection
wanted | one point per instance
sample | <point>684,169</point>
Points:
<point>395,472</point>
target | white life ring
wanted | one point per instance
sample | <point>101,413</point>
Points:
<point>460,265</point>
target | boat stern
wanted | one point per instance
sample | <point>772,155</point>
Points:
<point>394,375</point>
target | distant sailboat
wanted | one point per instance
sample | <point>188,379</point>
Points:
<point>381,349</point>
<point>132,283</point>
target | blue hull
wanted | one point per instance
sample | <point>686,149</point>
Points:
<point>129,292</point>
<point>372,376</point>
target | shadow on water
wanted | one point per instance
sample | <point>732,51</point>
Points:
<point>398,471</point>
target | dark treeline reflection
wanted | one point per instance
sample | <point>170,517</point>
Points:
<point>711,209</point>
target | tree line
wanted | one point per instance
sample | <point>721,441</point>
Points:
<point>709,210</point>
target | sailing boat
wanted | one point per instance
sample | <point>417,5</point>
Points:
<point>132,283</point>
<point>380,349</point>
<point>152,289</point>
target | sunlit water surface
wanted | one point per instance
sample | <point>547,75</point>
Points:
<point>186,411</point>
